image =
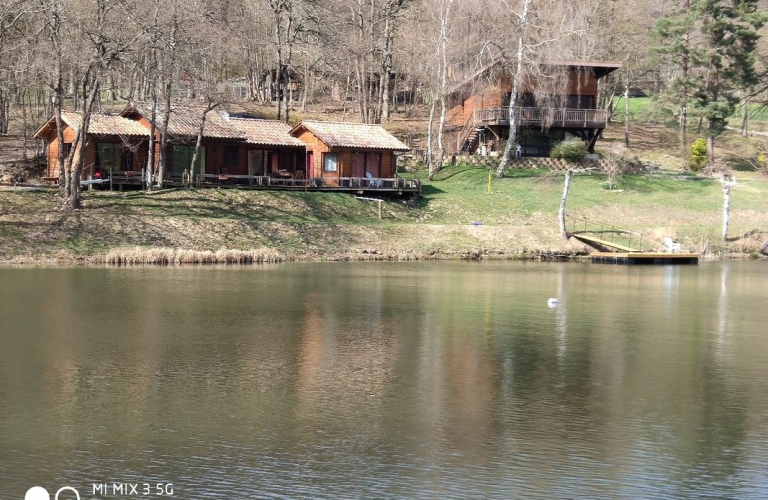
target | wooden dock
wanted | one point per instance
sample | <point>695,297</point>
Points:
<point>644,258</point>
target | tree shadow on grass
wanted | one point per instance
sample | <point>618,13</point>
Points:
<point>430,189</point>
<point>643,184</point>
<point>740,164</point>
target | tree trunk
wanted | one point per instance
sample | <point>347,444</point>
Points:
<point>429,153</point>
<point>58,99</point>
<point>24,124</point>
<point>711,144</point>
<point>198,142</point>
<point>111,88</point>
<point>278,12</point>
<point>626,113</point>
<point>745,117</point>
<point>151,146</point>
<point>79,159</point>
<point>726,207</point>
<point>506,158</point>
<point>444,22</point>
<point>163,165</point>
<point>561,213</point>
<point>386,68</point>
<point>684,97</point>
<point>72,86</point>
<point>287,95</point>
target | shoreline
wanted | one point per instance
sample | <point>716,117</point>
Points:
<point>159,257</point>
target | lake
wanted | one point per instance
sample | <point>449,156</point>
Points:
<point>387,380</point>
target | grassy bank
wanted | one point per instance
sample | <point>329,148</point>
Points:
<point>454,219</point>
<point>645,110</point>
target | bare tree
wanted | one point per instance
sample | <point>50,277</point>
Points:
<point>210,106</point>
<point>563,199</point>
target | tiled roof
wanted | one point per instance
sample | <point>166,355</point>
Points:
<point>100,124</point>
<point>185,121</point>
<point>352,135</point>
<point>266,132</point>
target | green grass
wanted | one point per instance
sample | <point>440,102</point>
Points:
<point>642,110</point>
<point>462,198</point>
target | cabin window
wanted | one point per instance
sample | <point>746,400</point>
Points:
<point>231,155</point>
<point>182,158</point>
<point>581,101</point>
<point>526,100</point>
<point>330,162</point>
<point>109,156</point>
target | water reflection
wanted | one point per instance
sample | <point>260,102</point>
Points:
<point>415,380</point>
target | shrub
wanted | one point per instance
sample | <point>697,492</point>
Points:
<point>762,161</point>
<point>698,154</point>
<point>572,150</point>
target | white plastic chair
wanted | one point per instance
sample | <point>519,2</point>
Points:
<point>672,247</point>
<point>374,183</point>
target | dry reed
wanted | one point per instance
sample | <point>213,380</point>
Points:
<point>165,256</point>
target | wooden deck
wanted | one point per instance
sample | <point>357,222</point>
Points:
<point>360,185</point>
<point>567,118</point>
<point>644,258</point>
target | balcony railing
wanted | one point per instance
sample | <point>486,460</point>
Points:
<point>586,118</point>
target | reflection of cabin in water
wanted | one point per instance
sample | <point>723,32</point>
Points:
<point>479,118</point>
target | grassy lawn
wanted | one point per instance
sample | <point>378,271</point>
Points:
<point>458,195</point>
<point>642,110</point>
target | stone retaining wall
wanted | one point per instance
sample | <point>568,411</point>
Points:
<point>603,164</point>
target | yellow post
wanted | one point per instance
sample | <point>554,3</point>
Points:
<point>489,182</point>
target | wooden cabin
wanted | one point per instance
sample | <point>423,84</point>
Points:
<point>235,150</point>
<point>114,145</point>
<point>269,149</point>
<point>337,151</point>
<point>479,111</point>
<point>219,149</point>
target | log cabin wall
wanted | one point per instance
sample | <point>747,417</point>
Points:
<point>345,157</point>
<point>493,96</point>
<point>317,148</point>
<point>137,148</point>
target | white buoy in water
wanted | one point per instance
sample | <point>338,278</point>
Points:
<point>553,302</point>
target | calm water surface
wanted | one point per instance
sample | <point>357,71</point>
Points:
<point>424,380</point>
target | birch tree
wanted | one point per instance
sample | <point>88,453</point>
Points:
<point>563,199</point>
<point>445,17</point>
<point>542,27</point>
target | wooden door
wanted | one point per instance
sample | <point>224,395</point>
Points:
<point>310,164</point>
<point>358,164</point>
<point>373,164</point>
<point>255,163</point>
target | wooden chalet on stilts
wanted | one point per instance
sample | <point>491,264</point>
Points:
<point>478,120</point>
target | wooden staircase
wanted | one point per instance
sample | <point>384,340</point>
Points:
<point>470,142</point>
